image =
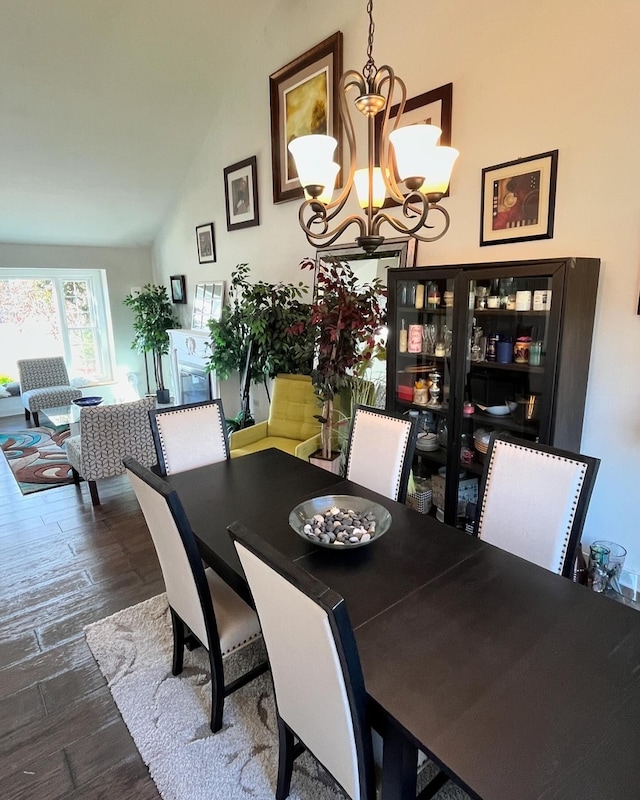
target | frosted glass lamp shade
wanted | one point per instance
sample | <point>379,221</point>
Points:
<point>329,182</point>
<point>361,179</point>
<point>313,155</point>
<point>413,146</point>
<point>440,166</point>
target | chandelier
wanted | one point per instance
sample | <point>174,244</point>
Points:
<point>417,160</point>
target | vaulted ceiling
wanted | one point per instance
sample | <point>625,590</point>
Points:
<point>103,107</point>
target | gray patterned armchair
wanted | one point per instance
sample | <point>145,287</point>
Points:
<point>107,435</point>
<point>44,383</point>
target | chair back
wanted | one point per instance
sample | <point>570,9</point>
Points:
<point>317,677</point>
<point>534,499</point>
<point>184,577</point>
<point>380,451</point>
<point>108,433</point>
<point>41,373</point>
<point>294,408</point>
<point>189,436</point>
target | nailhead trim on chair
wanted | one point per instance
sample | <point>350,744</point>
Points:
<point>574,503</point>
<point>165,454</point>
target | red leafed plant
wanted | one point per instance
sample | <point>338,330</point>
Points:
<point>346,315</point>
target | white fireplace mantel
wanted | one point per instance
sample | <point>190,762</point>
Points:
<point>192,350</point>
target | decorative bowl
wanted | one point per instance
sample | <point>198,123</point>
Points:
<point>303,513</point>
<point>500,411</point>
<point>88,401</point>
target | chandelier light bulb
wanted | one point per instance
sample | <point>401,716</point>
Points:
<point>313,155</point>
<point>440,167</point>
<point>361,180</point>
<point>413,146</point>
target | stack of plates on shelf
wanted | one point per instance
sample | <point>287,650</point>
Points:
<point>427,442</point>
<point>481,440</point>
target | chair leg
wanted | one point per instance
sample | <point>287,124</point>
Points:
<point>75,475</point>
<point>36,419</point>
<point>178,642</point>
<point>93,491</point>
<point>217,690</point>
<point>27,414</point>
<point>286,756</point>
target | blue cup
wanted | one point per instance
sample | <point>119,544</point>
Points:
<point>504,352</point>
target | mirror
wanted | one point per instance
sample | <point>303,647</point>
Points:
<point>399,252</point>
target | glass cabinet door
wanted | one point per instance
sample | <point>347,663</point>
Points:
<point>508,343</point>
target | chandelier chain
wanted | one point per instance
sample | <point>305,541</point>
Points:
<point>369,70</point>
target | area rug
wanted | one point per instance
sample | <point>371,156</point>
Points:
<point>37,458</point>
<point>168,717</point>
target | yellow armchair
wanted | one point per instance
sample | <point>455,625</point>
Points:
<point>291,426</point>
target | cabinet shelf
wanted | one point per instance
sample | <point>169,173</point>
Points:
<point>511,366</point>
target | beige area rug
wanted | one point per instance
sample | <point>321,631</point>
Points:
<point>168,716</point>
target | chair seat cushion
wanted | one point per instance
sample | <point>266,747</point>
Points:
<point>280,442</point>
<point>237,622</point>
<point>49,397</point>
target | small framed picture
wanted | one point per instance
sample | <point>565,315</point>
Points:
<point>518,200</point>
<point>178,289</point>
<point>304,99</point>
<point>241,194</point>
<point>206,243</point>
<point>207,304</point>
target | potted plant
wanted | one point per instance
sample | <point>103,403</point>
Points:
<point>254,327</point>
<point>346,317</point>
<point>153,318</point>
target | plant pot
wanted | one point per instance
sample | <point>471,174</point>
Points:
<point>163,397</point>
<point>330,464</point>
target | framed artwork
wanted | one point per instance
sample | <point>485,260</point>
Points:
<point>430,108</point>
<point>206,243</point>
<point>304,99</point>
<point>178,289</point>
<point>518,200</point>
<point>241,194</point>
<point>207,304</point>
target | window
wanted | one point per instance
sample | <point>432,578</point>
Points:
<point>47,312</point>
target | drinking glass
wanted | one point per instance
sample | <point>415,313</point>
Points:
<point>614,564</point>
<point>597,570</point>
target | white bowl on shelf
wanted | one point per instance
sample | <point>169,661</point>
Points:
<point>499,411</point>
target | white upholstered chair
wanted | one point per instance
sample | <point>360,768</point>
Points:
<point>317,678</point>
<point>534,499</point>
<point>204,609</point>
<point>44,383</point>
<point>380,451</point>
<point>189,436</point>
<point>108,433</point>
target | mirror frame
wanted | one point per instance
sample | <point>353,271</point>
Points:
<point>404,247</point>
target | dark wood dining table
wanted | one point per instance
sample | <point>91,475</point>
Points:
<point>519,683</point>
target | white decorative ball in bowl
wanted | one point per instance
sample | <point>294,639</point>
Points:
<point>340,521</point>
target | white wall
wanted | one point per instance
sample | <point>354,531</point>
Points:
<point>125,268</point>
<point>527,78</point>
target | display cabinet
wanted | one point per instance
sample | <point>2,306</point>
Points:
<point>474,348</point>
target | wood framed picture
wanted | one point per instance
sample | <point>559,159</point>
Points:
<point>206,243</point>
<point>178,289</point>
<point>431,108</point>
<point>241,194</point>
<point>207,304</point>
<point>304,100</point>
<point>518,200</point>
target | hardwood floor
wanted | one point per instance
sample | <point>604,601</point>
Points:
<point>63,564</point>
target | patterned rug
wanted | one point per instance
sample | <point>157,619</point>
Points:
<point>168,716</point>
<point>37,458</point>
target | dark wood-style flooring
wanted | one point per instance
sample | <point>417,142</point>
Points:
<point>63,564</point>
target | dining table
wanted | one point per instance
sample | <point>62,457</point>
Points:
<point>516,682</point>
